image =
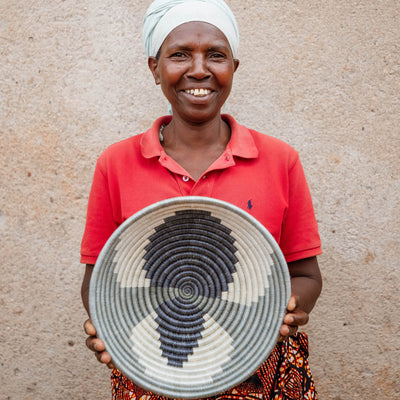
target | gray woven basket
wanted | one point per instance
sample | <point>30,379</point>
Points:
<point>188,295</point>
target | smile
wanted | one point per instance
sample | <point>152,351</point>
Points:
<point>198,92</point>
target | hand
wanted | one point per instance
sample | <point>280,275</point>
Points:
<point>97,345</point>
<point>293,319</point>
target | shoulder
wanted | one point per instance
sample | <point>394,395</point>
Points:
<point>120,150</point>
<point>268,147</point>
<point>123,146</point>
<point>267,143</point>
<point>275,155</point>
<point>134,149</point>
<point>262,140</point>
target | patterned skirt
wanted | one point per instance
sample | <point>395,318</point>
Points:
<point>285,375</point>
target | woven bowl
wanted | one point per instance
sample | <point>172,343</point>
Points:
<point>188,295</point>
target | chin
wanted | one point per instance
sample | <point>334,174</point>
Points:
<point>200,116</point>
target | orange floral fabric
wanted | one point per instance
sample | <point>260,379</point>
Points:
<point>285,375</point>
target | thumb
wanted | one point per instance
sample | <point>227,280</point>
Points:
<point>89,328</point>
<point>293,302</point>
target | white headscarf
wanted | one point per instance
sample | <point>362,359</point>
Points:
<point>165,15</point>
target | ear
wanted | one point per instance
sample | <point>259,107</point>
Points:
<point>152,62</point>
<point>236,63</point>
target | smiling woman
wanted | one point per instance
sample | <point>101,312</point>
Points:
<point>192,49</point>
<point>195,69</point>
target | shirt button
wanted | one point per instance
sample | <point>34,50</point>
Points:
<point>185,178</point>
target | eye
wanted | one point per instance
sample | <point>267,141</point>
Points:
<point>216,55</point>
<point>178,55</point>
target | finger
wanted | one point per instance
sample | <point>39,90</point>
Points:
<point>111,365</point>
<point>103,357</point>
<point>287,330</point>
<point>89,328</point>
<point>293,302</point>
<point>284,330</point>
<point>297,318</point>
<point>95,344</point>
<point>289,319</point>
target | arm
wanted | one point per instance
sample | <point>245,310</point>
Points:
<point>93,342</point>
<point>85,286</point>
<point>306,284</point>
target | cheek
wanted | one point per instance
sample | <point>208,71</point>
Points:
<point>224,76</point>
<point>169,81</point>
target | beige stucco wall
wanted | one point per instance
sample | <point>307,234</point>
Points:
<point>322,75</point>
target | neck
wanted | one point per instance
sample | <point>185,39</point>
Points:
<point>179,133</point>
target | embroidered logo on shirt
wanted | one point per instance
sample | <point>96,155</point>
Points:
<point>249,204</point>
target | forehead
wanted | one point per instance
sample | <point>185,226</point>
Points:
<point>200,32</point>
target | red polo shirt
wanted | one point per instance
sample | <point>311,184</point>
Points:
<point>256,172</point>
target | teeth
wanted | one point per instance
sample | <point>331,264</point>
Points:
<point>198,92</point>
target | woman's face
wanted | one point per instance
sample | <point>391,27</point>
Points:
<point>195,70</point>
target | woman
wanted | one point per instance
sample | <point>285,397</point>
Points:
<point>192,53</point>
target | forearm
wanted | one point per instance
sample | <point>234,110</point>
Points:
<point>307,291</point>
<point>85,287</point>
<point>306,282</point>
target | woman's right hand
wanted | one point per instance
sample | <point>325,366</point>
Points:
<point>97,345</point>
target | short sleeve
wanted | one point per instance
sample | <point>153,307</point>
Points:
<point>299,236</point>
<point>100,222</point>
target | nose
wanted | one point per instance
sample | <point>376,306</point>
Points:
<point>199,68</point>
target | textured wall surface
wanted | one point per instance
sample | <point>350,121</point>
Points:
<point>323,76</point>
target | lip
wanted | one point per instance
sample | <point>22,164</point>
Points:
<point>199,99</point>
<point>198,92</point>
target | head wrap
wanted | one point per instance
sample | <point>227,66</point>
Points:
<point>165,15</point>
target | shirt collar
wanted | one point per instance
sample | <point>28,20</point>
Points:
<point>241,143</point>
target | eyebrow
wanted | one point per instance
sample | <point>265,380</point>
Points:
<point>177,46</point>
<point>215,47</point>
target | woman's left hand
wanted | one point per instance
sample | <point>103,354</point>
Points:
<point>306,285</point>
<point>293,319</point>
